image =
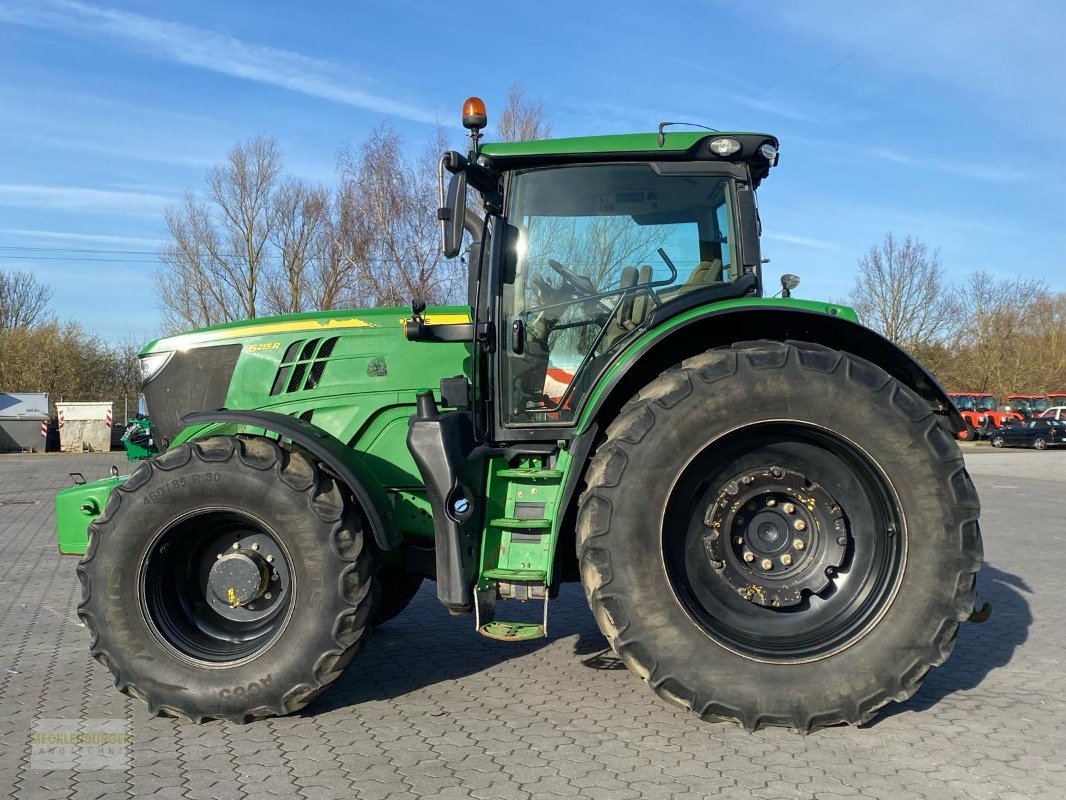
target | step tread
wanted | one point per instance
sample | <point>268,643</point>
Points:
<point>530,472</point>
<point>512,631</point>
<point>515,575</point>
<point>520,524</point>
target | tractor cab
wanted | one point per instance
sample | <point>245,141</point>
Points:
<point>581,245</point>
<point>1028,405</point>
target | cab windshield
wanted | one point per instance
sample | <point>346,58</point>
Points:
<point>1038,404</point>
<point>964,403</point>
<point>986,404</point>
<point>592,251</point>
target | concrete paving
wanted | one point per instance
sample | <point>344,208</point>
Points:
<point>430,709</point>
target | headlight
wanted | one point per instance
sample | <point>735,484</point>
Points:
<point>724,146</point>
<point>151,364</point>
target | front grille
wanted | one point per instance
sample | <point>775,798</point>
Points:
<point>193,380</point>
<point>303,365</point>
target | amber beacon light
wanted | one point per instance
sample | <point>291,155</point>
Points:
<point>474,114</point>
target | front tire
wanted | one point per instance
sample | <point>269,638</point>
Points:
<point>757,548</point>
<point>227,578</point>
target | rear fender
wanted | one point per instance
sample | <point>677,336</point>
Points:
<point>694,333</point>
<point>340,459</point>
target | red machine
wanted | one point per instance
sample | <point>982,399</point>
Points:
<point>981,412</point>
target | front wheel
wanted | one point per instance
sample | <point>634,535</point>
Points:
<point>779,561</point>
<point>998,441</point>
<point>227,578</point>
<point>1040,443</point>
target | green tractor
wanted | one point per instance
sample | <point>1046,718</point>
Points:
<point>763,499</point>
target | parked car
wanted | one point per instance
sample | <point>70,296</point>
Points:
<point>1055,412</point>
<point>1038,433</point>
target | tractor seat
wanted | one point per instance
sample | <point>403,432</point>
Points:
<point>706,272</point>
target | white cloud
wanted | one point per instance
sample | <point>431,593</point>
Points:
<point>804,241</point>
<point>86,238</point>
<point>80,198</point>
<point>212,51</point>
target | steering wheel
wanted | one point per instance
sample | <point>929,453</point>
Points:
<point>580,284</point>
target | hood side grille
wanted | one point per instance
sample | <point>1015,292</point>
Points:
<point>298,373</point>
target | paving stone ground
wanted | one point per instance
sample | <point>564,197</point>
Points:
<point>432,710</point>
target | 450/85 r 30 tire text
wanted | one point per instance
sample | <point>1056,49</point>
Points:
<point>227,578</point>
<point>779,534</point>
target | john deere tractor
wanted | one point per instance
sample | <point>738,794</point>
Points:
<point>762,498</point>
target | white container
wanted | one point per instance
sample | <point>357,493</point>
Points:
<point>85,427</point>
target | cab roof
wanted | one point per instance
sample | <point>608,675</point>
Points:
<point>676,146</point>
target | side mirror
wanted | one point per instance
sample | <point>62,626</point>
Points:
<point>452,215</point>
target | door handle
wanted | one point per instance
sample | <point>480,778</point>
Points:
<point>518,336</point>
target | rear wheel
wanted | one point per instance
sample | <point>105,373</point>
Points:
<point>228,578</point>
<point>1040,443</point>
<point>786,561</point>
<point>998,441</point>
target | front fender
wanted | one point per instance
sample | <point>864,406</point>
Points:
<point>340,459</point>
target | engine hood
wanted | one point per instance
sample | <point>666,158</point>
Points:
<point>374,321</point>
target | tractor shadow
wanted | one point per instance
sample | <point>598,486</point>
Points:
<point>979,649</point>
<point>425,645</point>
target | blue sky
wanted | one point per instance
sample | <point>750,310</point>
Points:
<point>947,124</point>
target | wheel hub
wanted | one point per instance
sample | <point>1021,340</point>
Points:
<point>774,535</point>
<point>239,577</point>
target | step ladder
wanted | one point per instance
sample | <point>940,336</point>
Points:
<point>517,550</point>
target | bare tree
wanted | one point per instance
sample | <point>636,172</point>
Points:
<point>522,119</point>
<point>214,266</point>
<point>23,299</point>
<point>900,290</point>
<point>1000,336</point>
<point>393,212</point>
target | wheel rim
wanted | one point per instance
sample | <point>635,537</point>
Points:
<point>997,442</point>
<point>1039,444</point>
<point>217,587</point>
<point>784,542</point>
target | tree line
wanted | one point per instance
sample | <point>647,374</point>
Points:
<point>986,333</point>
<point>38,353</point>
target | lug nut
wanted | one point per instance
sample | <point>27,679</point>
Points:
<point>714,565</point>
<point>789,508</point>
<point>270,559</point>
<point>250,606</point>
<point>829,571</point>
<point>770,501</point>
<point>799,525</point>
<point>749,557</point>
<point>739,521</point>
<point>766,564</point>
<point>274,576</point>
<point>218,555</point>
<point>747,479</point>
<point>843,540</point>
<point>236,545</point>
<point>786,559</point>
<point>267,596</point>
<point>739,540</point>
<point>797,544</point>
<point>751,505</point>
<point>255,545</point>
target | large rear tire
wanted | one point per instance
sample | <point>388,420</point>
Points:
<point>779,534</point>
<point>227,578</point>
